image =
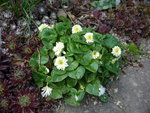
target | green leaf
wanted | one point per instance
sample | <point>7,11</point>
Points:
<point>66,20</point>
<point>39,78</point>
<point>72,66</point>
<point>43,50</point>
<point>56,93</point>
<point>90,77</point>
<point>44,59</point>
<point>133,48</point>
<point>71,82</point>
<point>84,59</point>
<point>47,44</point>
<point>115,68</point>
<point>104,98</point>
<point>74,48</point>
<point>93,67</point>
<point>109,41</point>
<point>78,73</point>
<point>34,60</point>
<point>49,35</point>
<point>93,88</point>
<point>61,28</point>
<point>71,101</point>
<point>56,78</point>
<point>43,69</point>
<point>55,71</point>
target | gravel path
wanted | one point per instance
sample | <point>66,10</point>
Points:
<point>130,94</point>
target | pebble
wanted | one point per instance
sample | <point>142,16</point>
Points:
<point>86,111</point>
<point>7,15</point>
<point>38,22</point>
<point>4,24</point>
<point>42,10</point>
<point>12,26</point>
<point>95,102</point>
<point>44,21</point>
<point>53,15</point>
<point>61,12</point>
<point>46,17</point>
<point>18,32</point>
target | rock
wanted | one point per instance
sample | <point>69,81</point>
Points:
<point>4,24</point>
<point>53,15</point>
<point>61,12</point>
<point>13,26</point>
<point>95,102</point>
<point>38,22</point>
<point>42,10</point>
<point>7,15</point>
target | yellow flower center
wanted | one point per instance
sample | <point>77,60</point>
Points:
<point>76,29</point>
<point>60,62</point>
<point>117,50</point>
<point>90,37</point>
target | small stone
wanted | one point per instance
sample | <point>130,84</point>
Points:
<point>4,24</point>
<point>38,22</point>
<point>18,32</point>
<point>7,15</point>
<point>12,26</point>
<point>24,23</point>
<point>118,103</point>
<point>53,15</point>
<point>42,10</point>
<point>27,35</point>
<point>86,111</point>
<point>115,90</point>
<point>44,21</point>
<point>95,102</point>
<point>61,12</point>
<point>46,17</point>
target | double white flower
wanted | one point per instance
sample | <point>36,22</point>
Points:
<point>43,26</point>
<point>46,91</point>
<point>76,28</point>
<point>58,48</point>
<point>96,54</point>
<point>89,37</point>
<point>116,51</point>
<point>61,63</point>
<point>101,90</point>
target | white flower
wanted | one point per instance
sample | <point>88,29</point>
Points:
<point>89,37</point>
<point>76,28</point>
<point>46,91</point>
<point>43,26</point>
<point>76,98</point>
<point>96,54</point>
<point>58,48</point>
<point>61,63</point>
<point>64,52</point>
<point>116,51</point>
<point>101,90</point>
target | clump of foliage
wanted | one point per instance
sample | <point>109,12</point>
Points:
<point>104,4</point>
<point>132,19</point>
<point>70,65</point>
